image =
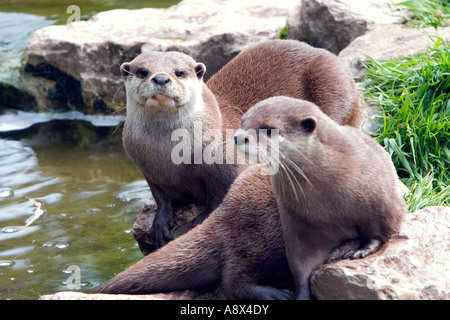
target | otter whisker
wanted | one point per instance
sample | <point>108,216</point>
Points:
<point>119,110</point>
<point>265,158</point>
<point>293,147</point>
<point>295,178</point>
<point>299,170</point>
<point>288,174</point>
<point>115,94</point>
<point>119,125</point>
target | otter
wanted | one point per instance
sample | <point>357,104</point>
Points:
<point>165,92</point>
<point>335,186</point>
<point>241,244</point>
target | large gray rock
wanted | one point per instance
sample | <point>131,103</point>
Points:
<point>80,61</point>
<point>414,268</point>
<point>389,42</point>
<point>333,24</point>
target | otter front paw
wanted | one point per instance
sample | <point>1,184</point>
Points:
<point>197,220</point>
<point>200,218</point>
<point>365,250</point>
<point>160,230</point>
<point>344,250</point>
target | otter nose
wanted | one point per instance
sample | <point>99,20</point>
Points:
<point>161,79</point>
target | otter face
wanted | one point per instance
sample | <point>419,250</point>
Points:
<point>275,128</point>
<point>256,143</point>
<point>162,83</point>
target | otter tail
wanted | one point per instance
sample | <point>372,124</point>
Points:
<point>190,261</point>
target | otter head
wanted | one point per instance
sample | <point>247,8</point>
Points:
<point>160,84</point>
<point>277,130</point>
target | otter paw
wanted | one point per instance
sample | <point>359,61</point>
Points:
<point>360,254</point>
<point>198,219</point>
<point>365,250</point>
<point>160,236</point>
<point>160,232</point>
<point>345,250</point>
<point>283,295</point>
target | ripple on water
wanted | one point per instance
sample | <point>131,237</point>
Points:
<point>6,263</point>
<point>16,232</point>
<point>16,252</point>
<point>6,193</point>
<point>10,229</point>
<point>57,245</point>
<point>61,245</point>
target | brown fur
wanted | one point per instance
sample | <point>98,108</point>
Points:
<point>334,185</point>
<point>240,244</point>
<point>287,68</point>
<point>268,69</point>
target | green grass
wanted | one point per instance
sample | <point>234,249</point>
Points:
<point>423,194</point>
<point>413,94</point>
<point>283,33</point>
<point>435,13</point>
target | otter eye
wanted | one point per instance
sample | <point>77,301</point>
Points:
<point>142,73</point>
<point>179,74</point>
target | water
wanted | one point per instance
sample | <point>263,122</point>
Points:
<point>15,30</point>
<point>89,199</point>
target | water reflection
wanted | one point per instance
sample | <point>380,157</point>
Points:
<point>90,198</point>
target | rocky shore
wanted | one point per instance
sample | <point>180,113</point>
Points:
<point>78,65</point>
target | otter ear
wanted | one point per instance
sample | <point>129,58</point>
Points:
<point>309,124</point>
<point>125,69</point>
<point>200,69</point>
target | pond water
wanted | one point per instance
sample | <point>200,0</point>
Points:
<point>86,197</point>
<point>69,195</point>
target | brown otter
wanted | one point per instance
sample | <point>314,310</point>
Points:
<point>241,243</point>
<point>165,92</point>
<point>334,185</point>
